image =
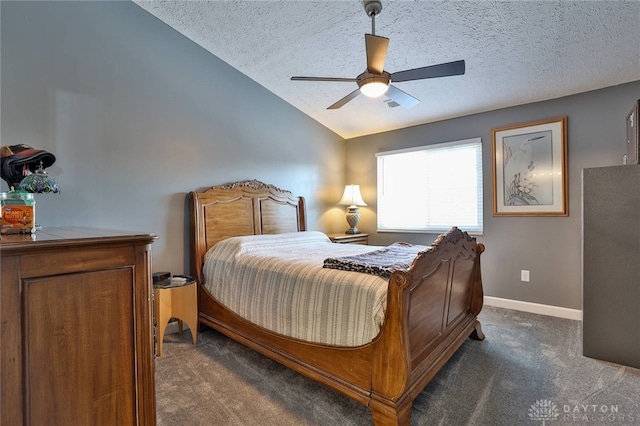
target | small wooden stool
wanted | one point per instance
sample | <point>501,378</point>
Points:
<point>180,302</point>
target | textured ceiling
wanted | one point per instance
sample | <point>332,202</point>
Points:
<point>516,52</point>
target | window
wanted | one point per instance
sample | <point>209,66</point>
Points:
<point>431,188</point>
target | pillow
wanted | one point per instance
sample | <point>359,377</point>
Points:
<point>247,244</point>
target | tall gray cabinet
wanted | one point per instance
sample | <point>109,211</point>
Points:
<point>611,264</point>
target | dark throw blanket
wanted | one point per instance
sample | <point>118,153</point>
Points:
<point>378,262</point>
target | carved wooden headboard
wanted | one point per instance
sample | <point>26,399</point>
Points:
<point>249,207</point>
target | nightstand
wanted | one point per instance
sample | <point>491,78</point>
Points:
<point>349,238</point>
<point>178,301</point>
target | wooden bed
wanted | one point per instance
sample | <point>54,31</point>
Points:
<point>431,308</point>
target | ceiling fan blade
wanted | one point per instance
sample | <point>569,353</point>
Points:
<point>376,52</point>
<point>346,99</point>
<point>348,80</point>
<point>404,99</point>
<point>432,71</point>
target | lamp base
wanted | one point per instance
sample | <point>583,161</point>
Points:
<point>353,217</point>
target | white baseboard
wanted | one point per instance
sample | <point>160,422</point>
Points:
<point>534,308</point>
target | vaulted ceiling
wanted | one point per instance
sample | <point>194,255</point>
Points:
<point>516,52</point>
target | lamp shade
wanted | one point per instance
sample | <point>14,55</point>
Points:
<point>39,182</point>
<point>351,196</point>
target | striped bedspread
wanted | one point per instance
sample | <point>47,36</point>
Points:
<point>278,282</point>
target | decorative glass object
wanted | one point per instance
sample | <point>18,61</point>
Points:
<point>39,182</point>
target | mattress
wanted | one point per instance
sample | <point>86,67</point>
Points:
<point>278,282</point>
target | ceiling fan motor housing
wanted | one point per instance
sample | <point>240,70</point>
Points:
<point>367,77</point>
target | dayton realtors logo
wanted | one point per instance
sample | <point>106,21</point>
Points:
<point>546,410</point>
<point>600,414</point>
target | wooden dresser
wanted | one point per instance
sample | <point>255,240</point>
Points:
<point>76,342</point>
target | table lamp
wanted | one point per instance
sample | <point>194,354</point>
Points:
<point>39,182</point>
<point>353,199</point>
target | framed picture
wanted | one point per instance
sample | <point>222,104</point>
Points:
<point>633,134</point>
<point>530,169</point>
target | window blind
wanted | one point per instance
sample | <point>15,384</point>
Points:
<point>431,188</point>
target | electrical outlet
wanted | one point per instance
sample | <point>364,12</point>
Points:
<point>524,276</point>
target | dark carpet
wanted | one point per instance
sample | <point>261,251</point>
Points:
<point>529,370</point>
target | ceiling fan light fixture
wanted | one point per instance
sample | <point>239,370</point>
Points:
<point>374,89</point>
<point>373,85</point>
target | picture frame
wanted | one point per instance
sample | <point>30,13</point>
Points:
<point>633,134</point>
<point>530,169</point>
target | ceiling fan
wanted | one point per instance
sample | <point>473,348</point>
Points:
<point>375,81</point>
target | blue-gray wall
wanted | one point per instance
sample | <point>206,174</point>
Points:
<point>137,115</point>
<point>549,247</point>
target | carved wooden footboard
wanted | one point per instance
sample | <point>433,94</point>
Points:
<point>431,308</point>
